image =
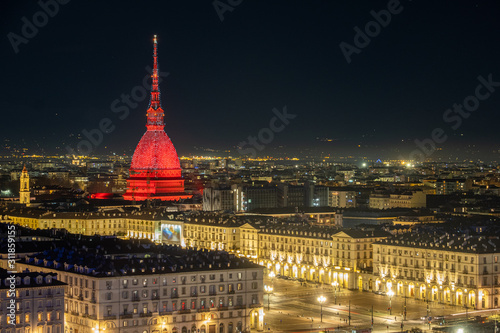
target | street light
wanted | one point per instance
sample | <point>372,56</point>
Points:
<point>390,293</point>
<point>321,300</point>
<point>335,284</point>
<point>268,290</point>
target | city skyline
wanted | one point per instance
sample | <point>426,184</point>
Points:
<point>228,76</point>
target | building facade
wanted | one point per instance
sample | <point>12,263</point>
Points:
<point>169,291</point>
<point>415,199</point>
<point>38,305</point>
<point>458,270</point>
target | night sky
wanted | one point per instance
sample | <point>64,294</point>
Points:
<point>225,77</point>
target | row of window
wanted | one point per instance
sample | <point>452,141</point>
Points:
<point>40,317</point>
<point>49,328</point>
<point>437,265</point>
<point>27,304</point>
<point>74,281</point>
<point>174,291</point>
<point>434,255</point>
<point>165,306</point>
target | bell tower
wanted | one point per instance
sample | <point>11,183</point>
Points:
<point>24,191</point>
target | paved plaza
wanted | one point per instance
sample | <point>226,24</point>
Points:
<point>294,307</point>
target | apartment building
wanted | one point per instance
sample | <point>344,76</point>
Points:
<point>319,254</point>
<point>454,269</point>
<point>415,199</point>
<point>159,289</point>
<point>38,303</point>
<point>340,198</point>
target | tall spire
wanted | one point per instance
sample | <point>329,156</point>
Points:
<point>155,89</point>
<point>155,112</point>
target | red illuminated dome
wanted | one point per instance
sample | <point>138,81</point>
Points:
<point>155,151</point>
<point>155,172</point>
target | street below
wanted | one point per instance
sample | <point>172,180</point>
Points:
<point>296,307</point>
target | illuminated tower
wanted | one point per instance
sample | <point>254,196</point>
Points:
<point>155,172</point>
<point>24,191</point>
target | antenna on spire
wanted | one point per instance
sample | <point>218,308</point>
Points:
<point>155,91</point>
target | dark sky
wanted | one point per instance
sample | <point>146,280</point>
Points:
<point>225,77</point>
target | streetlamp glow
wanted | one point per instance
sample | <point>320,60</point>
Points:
<point>335,285</point>
<point>321,300</point>
<point>390,294</point>
<point>268,290</point>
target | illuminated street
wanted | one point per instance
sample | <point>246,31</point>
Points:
<point>296,308</point>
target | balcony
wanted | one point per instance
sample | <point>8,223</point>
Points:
<point>194,294</point>
<point>80,298</point>
<point>109,317</point>
<point>222,308</point>
<point>93,300</point>
<point>239,307</point>
<point>204,310</point>
<point>74,313</point>
<point>257,305</point>
<point>184,311</point>
<point>174,296</point>
<point>126,316</point>
<point>212,293</point>
<point>165,313</point>
<point>148,314</point>
<point>155,297</point>
<point>231,291</point>
<point>135,299</point>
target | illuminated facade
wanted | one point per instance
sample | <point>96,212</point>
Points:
<point>202,293</point>
<point>323,255</point>
<point>24,191</point>
<point>415,199</point>
<point>39,302</point>
<point>155,172</point>
<point>455,270</point>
